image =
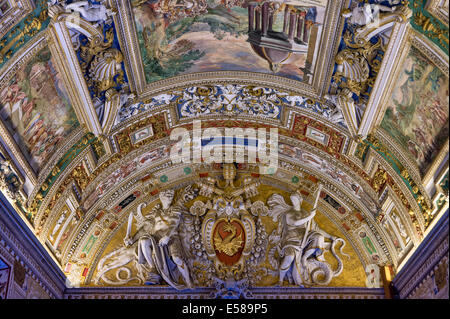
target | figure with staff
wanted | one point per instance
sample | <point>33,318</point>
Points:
<point>159,245</point>
<point>301,243</point>
<point>295,231</point>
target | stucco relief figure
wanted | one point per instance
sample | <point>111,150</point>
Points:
<point>293,231</point>
<point>366,14</point>
<point>158,242</point>
<point>301,244</point>
<point>401,227</point>
<point>155,249</point>
<point>9,182</point>
<point>90,12</point>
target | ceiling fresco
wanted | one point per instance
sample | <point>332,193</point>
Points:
<point>422,127</point>
<point>36,128</point>
<point>174,40</point>
<point>92,92</point>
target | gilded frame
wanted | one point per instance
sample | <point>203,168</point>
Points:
<point>19,9</point>
<point>440,60</point>
<point>437,8</point>
<point>331,35</point>
<point>7,72</point>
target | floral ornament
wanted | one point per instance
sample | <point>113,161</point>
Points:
<point>198,209</point>
<point>231,99</point>
<point>259,209</point>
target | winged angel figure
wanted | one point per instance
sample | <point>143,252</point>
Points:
<point>300,248</point>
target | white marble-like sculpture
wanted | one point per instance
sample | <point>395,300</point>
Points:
<point>8,179</point>
<point>373,279</point>
<point>301,244</point>
<point>366,14</point>
<point>158,241</point>
<point>401,227</point>
<point>293,232</point>
<point>155,248</point>
<point>344,103</point>
<point>97,13</point>
<point>336,115</point>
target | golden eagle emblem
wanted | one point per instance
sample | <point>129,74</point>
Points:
<point>231,244</point>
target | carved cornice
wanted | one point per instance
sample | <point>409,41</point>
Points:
<point>18,10</point>
<point>29,250</point>
<point>424,258</point>
<point>437,8</point>
<point>202,293</point>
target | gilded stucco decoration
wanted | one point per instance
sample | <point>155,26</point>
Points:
<point>229,100</point>
<point>365,40</point>
<point>226,236</point>
<point>12,12</point>
<point>37,20</point>
<point>99,61</point>
<point>424,21</point>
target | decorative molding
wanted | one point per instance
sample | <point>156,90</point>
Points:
<point>25,30</point>
<point>17,11</point>
<point>204,293</point>
<point>432,249</point>
<point>17,240</point>
<point>439,9</point>
<point>424,22</point>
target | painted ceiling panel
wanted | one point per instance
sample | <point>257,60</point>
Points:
<point>25,108</point>
<point>417,115</point>
<point>176,41</point>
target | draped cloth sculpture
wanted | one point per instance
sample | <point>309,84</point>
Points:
<point>159,244</point>
<point>301,248</point>
<point>221,241</point>
<point>155,247</point>
<point>366,14</point>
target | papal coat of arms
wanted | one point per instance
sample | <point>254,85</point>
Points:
<point>228,232</point>
<point>220,240</point>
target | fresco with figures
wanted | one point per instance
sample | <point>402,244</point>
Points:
<point>36,109</point>
<point>417,113</point>
<point>180,37</point>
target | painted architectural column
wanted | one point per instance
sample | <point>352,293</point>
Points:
<point>258,19</point>
<point>306,30</point>
<point>300,26</point>
<point>292,25</point>
<point>286,20</point>
<point>251,16</point>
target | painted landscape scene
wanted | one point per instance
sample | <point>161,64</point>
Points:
<point>184,36</point>
<point>417,113</point>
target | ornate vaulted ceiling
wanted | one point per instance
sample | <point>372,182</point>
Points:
<point>91,92</point>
